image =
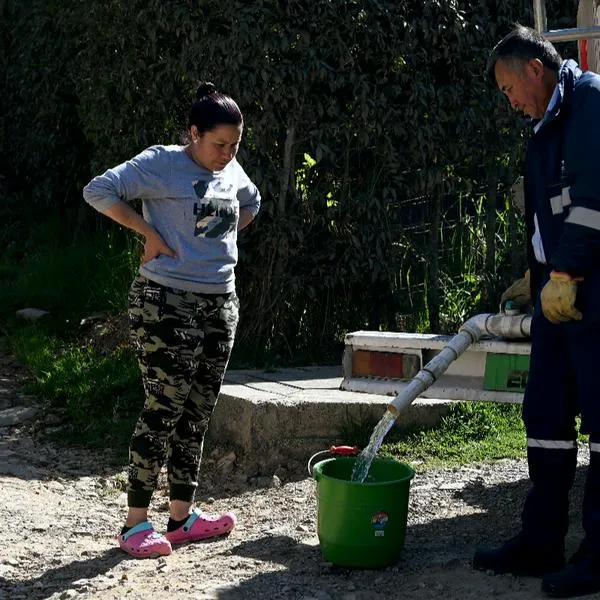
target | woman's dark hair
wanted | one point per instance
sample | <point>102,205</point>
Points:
<point>213,108</point>
<point>520,46</point>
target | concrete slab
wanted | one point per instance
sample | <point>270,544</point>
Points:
<point>278,419</point>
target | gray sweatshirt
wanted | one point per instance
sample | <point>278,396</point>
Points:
<point>195,211</point>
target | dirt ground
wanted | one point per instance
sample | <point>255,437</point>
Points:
<point>61,508</point>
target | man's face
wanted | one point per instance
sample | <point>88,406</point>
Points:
<point>523,85</point>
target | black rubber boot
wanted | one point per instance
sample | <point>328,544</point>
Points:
<point>578,578</point>
<point>521,557</point>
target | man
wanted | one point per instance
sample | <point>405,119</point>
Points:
<point>562,209</point>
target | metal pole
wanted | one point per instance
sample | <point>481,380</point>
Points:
<point>588,32</point>
<point>571,35</point>
<point>539,16</point>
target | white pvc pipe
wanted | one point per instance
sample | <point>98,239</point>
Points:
<point>472,331</point>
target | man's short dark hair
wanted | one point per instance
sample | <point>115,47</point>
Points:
<point>520,46</point>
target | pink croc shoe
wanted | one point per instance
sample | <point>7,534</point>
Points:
<point>142,541</point>
<point>201,526</point>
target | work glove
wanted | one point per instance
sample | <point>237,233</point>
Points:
<point>558,298</point>
<point>519,292</point>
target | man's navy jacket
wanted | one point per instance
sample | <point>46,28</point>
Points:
<point>562,187</point>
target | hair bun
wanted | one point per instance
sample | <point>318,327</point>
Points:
<point>205,88</point>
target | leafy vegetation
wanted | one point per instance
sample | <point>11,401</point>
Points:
<point>383,158</point>
<point>407,145</point>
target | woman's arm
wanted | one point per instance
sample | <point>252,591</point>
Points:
<point>140,177</point>
<point>154,245</point>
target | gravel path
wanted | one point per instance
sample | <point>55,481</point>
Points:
<point>60,509</point>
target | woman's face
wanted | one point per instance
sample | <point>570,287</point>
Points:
<point>216,148</point>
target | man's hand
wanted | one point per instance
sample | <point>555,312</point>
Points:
<point>519,292</point>
<point>558,298</point>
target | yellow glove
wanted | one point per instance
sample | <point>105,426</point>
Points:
<point>519,292</point>
<point>558,298</point>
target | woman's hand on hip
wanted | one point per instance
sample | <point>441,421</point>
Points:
<point>154,246</point>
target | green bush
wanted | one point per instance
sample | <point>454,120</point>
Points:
<point>70,281</point>
<point>366,121</point>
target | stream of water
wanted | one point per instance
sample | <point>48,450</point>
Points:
<point>365,458</point>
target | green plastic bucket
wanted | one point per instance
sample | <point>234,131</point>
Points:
<point>362,525</point>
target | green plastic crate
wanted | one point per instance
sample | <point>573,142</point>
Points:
<point>506,372</point>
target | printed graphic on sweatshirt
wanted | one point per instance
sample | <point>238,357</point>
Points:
<point>216,214</point>
<point>200,188</point>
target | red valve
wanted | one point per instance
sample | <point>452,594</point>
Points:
<point>344,450</point>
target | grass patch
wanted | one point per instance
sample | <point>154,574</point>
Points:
<point>96,384</point>
<point>471,432</point>
<point>71,281</point>
<point>101,394</point>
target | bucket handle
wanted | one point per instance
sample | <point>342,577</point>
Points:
<point>336,451</point>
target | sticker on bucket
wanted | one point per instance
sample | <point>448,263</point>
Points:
<point>379,521</point>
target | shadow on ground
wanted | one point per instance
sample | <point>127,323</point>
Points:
<point>437,554</point>
<point>61,577</point>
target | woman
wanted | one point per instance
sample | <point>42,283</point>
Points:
<point>183,306</point>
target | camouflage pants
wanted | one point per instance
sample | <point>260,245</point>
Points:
<point>183,342</point>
